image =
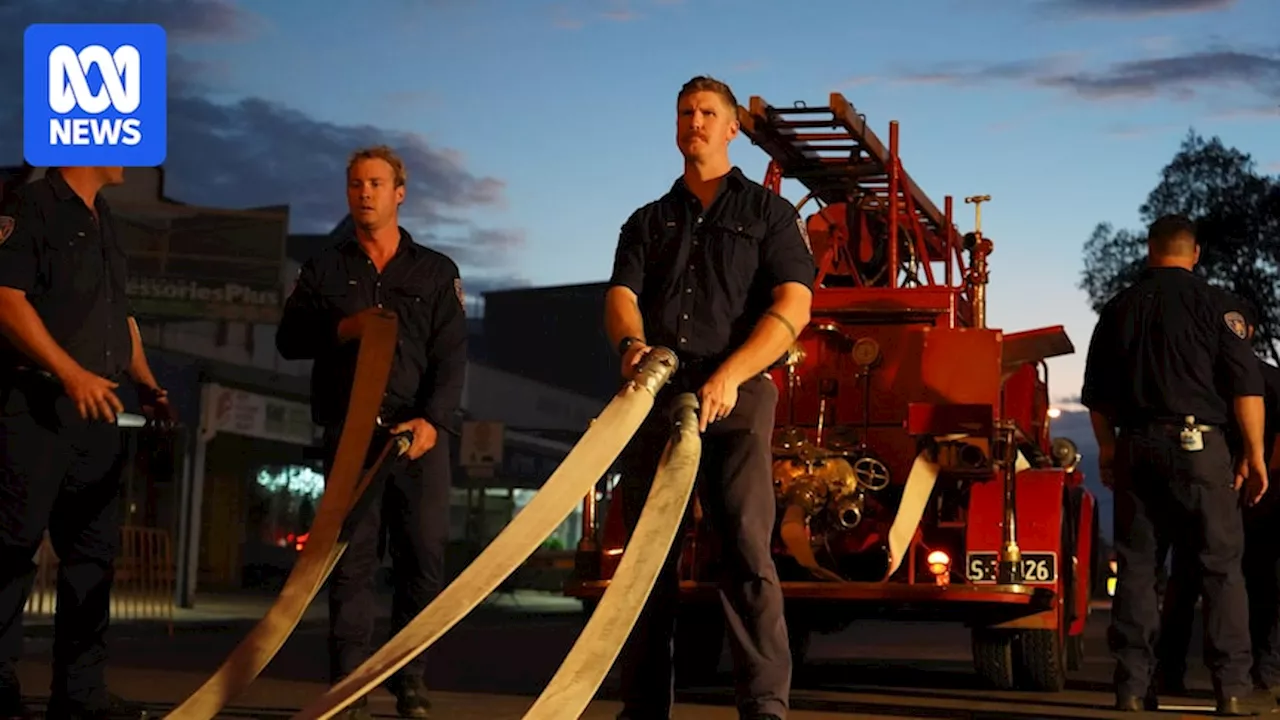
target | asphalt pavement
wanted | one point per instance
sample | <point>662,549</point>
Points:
<point>495,662</point>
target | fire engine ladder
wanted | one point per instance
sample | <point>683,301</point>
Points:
<point>832,152</point>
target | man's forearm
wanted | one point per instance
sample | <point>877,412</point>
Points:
<point>622,316</point>
<point>23,327</point>
<point>139,370</point>
<point>1251,415</point>
<point>772,336</point>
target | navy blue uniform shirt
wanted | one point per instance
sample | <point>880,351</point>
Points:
<point>705,278</point>
<point>1166,347</point>
<point>73,271</point>
<point>423,288</point>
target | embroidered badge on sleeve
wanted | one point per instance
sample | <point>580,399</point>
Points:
<point>1235,321</point>
<point>457,289</point>
<point>7,224</point>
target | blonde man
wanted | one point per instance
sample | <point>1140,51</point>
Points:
<point>379,267</point>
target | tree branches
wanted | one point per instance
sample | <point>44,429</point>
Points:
<point>1237,214</point>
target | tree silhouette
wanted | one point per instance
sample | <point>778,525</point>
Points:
<point>1237,216</point>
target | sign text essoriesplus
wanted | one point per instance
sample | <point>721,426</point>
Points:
<point>227,293</point>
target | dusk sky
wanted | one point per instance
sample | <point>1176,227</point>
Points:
<point>533,129</point>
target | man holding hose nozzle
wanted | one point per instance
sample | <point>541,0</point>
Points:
<point>380,268</point>
<point>68,343</point>
<point>719,270</point>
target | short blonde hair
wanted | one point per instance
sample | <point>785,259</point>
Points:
<point>384,153</point>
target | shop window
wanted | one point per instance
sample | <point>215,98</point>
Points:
<point>287,500</point>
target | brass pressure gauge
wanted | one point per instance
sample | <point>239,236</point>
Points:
<point>866,352</point>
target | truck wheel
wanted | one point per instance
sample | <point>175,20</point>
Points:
<point>1041,661</point>
<point>1040,657</point>
<point>993,657</point>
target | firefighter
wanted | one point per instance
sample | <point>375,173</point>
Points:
<point>70,350</point>
<point>718,269</point>
<point>1162,354</point>
<point>378,267</point>
<point>1260,564</point>
<point>1261,561</point>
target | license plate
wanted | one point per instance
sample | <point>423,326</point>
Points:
<point>1037,567</point>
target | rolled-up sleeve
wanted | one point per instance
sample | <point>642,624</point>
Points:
<point>1102,371</point>
<point>21,219</point>
<point>629,257</point>
<point>785,254</point>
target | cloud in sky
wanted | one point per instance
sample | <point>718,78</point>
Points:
<point>1133,9</point>
<point>1249,112</point>
<point>620,11</point>
<point>1179,75</point>
<point>256,152</point>
<point>1175,76</point>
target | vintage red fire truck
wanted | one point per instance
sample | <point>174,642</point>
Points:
<point>913,465</point>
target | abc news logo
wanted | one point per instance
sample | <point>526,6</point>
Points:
<point>69,90</point>
<point>95,94</point>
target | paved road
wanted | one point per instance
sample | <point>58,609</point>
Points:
<point>493,663</point>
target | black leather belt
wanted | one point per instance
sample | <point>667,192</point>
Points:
<point>1168,425</point>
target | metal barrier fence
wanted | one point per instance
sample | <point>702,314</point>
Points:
<point>144,581</point>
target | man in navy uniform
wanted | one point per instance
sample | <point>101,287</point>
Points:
<point>1169,366</point>
<point>1260,563</point>
<point>69,343</point>
<point>379,267</point>
<point>719,270</point>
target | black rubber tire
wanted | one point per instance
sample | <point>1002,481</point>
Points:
<point>993,657</point>
<point>1040,661</point>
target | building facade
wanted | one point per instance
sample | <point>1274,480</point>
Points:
<point>235,487</point>
<point>566,324</point>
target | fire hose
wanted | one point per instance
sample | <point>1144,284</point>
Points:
<point>343,487</point>
<point>577,475</point>
<point>590,458</point>
<point>580,675</point>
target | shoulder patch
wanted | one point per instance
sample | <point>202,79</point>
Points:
<point>1235,321</point>
<point>457,289</point>
<point>7,224</point>
<point>804,233</point>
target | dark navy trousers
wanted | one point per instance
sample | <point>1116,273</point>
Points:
<point>735,486</point>
<point>59,473</point>
<point>1167,498</point>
